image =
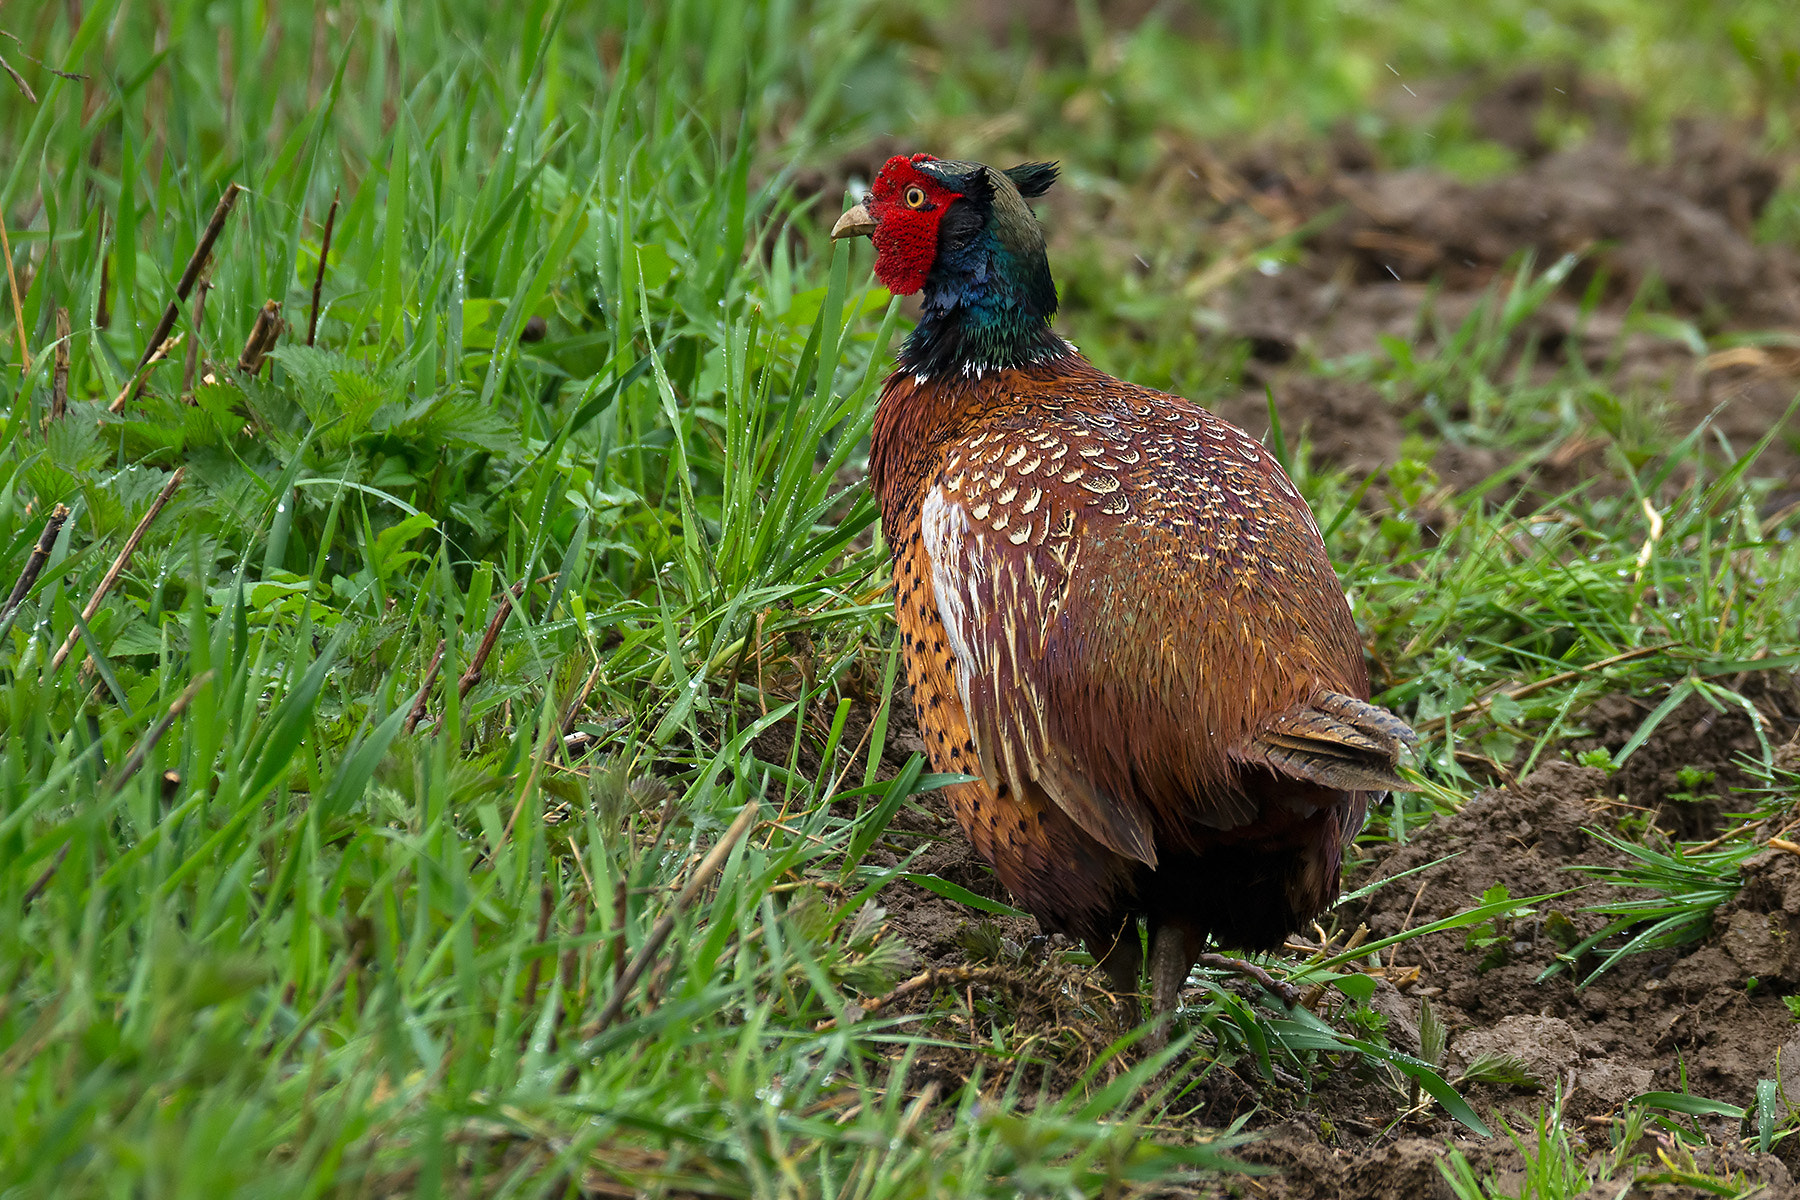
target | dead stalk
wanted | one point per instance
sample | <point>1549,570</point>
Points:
<point>312,323</point>
<point>621,910</point>
<point>184,287</point>
<point>574,709</point>
<point>1531,689</point>
<point>34,566</point>
<point>193,355</point>
<point>18,304</point>
<point>546,905</point>
<point>472,676</point>
<point>537,765</point>
<point>709,866</point>
<point>141,751</point>
<point>113,572</point>
<point>59,373</point>
<point>571,975</point>
<point>431,673</point>
<point>263,335</point>
<point>43,881</point>
<point>143,372</point>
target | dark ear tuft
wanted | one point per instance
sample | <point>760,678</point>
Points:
<point>1032,179</point>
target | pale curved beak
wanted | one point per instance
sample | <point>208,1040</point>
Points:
<point>855,223</point>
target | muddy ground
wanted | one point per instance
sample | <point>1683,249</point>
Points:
<point>1409,254</point>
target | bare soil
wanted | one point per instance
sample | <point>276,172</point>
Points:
<point>1410,254</point>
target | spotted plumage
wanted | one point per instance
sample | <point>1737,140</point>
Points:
<point>1116,610</point>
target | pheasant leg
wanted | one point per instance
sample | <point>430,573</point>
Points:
<point>1123,963</point>
<point>1171,960</point>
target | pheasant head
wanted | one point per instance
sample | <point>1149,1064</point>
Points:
<point>962,234</point>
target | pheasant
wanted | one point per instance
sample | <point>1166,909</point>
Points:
<point>1117,613</point>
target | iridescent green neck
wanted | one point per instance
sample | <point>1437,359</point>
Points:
<point>989,298</point>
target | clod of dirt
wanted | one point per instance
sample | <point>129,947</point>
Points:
<point>1760,928</point>
<point>1406,1170</point>
<point>1517,111</point>
<point>1403,1170</point>
<point>934,926</point>
<point>1635,221</point>
<point>1604,1085</point>
<point>1521,838</point>
<point>1556,1052</point>
<point>1549,1047</point>
<point>1758,943</point>
<point>1653,1021</point>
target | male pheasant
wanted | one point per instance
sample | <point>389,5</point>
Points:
<point>1117,612</point>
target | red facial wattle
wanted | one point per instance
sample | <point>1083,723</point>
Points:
<point>907,205</point>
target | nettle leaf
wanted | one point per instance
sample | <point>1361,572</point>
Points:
<point>312,372</point>
<point>338,392</point>
<point>218,403</point>
<point>388,555</point>
<point>361,396</point>
<point>457,420</point>
<point>135,636</point>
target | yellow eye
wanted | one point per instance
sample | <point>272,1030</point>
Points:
<point>915,197</point>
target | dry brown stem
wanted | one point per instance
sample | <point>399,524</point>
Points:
<point>138,376</point>
<point>263,335</point>
<point>472,676</point>
<point>118,566</point>
<point>59,373</point>
<point>193,355</point>
<point>18,304</point>
<point>34,566</point>
<point>184,287</point>
<point>431,673</point>
<point>665,925</point>
<point>312,323</point>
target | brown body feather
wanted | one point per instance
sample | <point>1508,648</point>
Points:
<point>1118,614</point>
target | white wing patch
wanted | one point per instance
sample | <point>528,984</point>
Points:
<point>1007,715</point>
<point>943,524</point>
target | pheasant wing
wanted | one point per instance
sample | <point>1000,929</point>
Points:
<point>999,600</point>
<point>1139,605</point>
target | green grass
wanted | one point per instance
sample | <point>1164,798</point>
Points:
<point>1559,1166</point>
<point>260,935</point>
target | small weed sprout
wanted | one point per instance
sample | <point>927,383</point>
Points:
<point>1494,937</point>
<point>1691,781</point>
<point>1599,758</point>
